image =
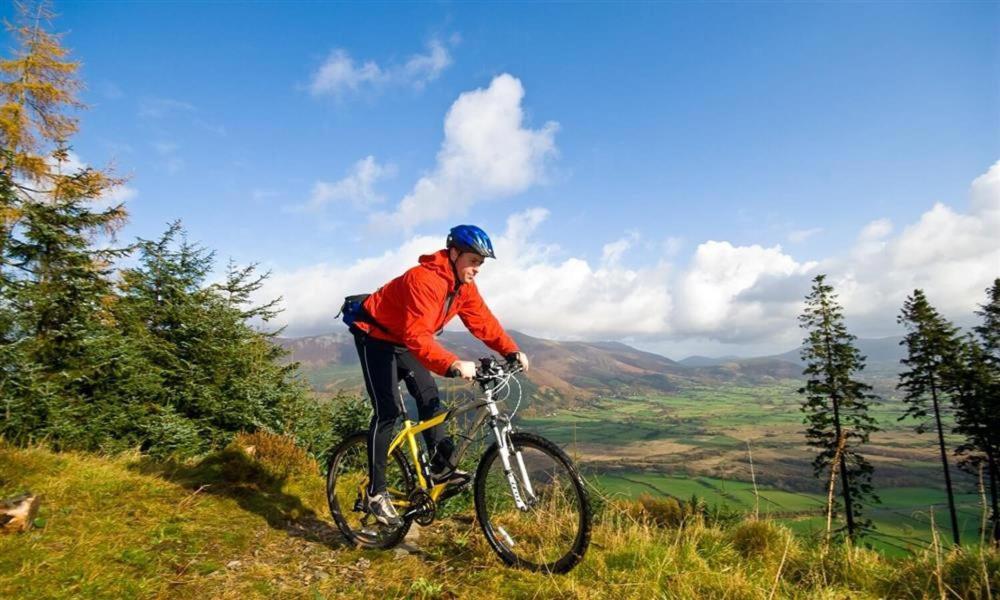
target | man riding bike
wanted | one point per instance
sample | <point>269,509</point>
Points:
<point>395,338</point>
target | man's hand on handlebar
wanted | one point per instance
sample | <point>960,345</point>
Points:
<point>463,368</point>
<point>519,358</point>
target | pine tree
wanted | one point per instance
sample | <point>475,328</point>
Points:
<point>989,330</point>
<point>14,372</point>
<point>218,375</point>
<point>988,372</point>
<point>63,292</point>
<point>974,383</point>
<point>836,405</point>
<point>933,346</point>
<point>158,359</point>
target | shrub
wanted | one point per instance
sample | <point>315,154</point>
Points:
<point>319,424</point>
<point>963,571</point>
<point>661,512</point>
<point>761,540</point>
<point>279,454</point>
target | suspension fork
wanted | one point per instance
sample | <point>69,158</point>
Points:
<point>502,435</point>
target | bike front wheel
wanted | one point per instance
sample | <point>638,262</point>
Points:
<point>346,481</point>
<point>551,532</point>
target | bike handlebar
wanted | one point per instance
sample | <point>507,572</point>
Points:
<point>490,369</point>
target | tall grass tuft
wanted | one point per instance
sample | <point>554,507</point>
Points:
<point>761,540</point>
<point>279,454</point>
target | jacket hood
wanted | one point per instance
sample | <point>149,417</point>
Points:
<point>440,264</point>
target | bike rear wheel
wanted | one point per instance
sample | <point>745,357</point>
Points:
<point>553,533</point>
<point>346,481</point>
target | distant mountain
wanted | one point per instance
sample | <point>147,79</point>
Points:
<point>562,372</point>
<point>707,361</point>
<point>881,354</point>
<point>321,350</point>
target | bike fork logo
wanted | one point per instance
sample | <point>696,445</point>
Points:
<point>515,491</point>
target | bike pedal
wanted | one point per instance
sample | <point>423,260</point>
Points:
<point>452,491</point>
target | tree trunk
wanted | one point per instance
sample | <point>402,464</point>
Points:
<point>944,463</point>
<point>18,513</point>
<point>844,481</point>
<point>832,487</point>
<point>841,441</point>
<point>994,473</point>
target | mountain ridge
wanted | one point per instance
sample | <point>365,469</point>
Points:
<point>564,372</point>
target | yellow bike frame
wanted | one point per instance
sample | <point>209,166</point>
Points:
<point>408,435</point>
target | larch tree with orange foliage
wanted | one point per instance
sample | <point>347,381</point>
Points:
<point>56,291</point>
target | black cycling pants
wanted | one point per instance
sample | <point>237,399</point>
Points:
<point>383,365</point>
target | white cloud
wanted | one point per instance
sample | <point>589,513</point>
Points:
<point>313,294</point>
<point>341,74</point>
<point>726,294</point>
<point>951,255</point>
<point>423,68</point>
<point>121,193</point>
<point>530,285</point>
<point>611,253</point>
<point>712,294</point>
<point>356,188</point>
<point>876,230</point>
<point>486,153</point>
<point>800,235</point>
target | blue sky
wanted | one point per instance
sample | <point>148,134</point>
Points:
<point>656,146</point>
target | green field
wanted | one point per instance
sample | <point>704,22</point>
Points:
<point>705,431</point>
<point>695,443</point>
<point>735,494</point>
<point>902,521</point>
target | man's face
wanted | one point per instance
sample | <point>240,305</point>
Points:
<point>466,264</point>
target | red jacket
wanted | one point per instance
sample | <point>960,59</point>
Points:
<point>412,308</point>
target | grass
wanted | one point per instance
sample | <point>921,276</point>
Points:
<point>902,520</point>
<point>235,526</point>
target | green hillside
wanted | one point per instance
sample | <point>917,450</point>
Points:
<point>232,526</point>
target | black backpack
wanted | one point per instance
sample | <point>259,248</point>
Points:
<point>353,311</point>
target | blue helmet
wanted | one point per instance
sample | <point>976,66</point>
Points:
<point>469,238</point>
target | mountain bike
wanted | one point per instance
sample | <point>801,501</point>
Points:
<point>530,500</point>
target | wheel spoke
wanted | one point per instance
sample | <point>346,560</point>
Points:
<point>347,479</point>
<point>552,534</point>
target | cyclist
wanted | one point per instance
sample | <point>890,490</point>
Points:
<point>395,340</point>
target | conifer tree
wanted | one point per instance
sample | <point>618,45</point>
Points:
<point>989,376</point>
<point>58,285</point>
<point>218,374</point>
<point>836,404</point>
<point>932,346</point>
<point>62,290</point>
<point>989,330</point>
<point>159,359</point>
<point>14,372</point>
<point>974,383</point>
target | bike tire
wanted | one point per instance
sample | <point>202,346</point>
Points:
<point>554,534</point>
<point>346,478</point>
